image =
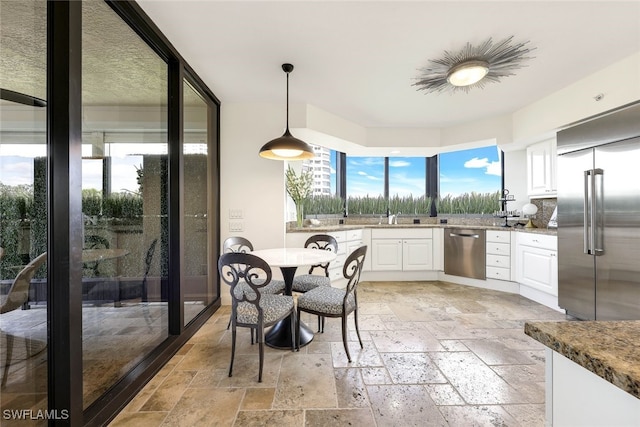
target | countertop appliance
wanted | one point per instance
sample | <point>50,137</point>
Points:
<point>465,252</point>
<point>599,217</point>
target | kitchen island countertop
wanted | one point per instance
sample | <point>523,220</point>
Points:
<point>609,349</point>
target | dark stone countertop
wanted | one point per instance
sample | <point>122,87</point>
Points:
<point>341,227</point>
<point>609,349</point>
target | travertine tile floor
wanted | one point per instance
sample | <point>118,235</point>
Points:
<point>435,354</point>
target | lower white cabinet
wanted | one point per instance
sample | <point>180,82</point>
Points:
<point>537,262</point>
<point>401,249</point>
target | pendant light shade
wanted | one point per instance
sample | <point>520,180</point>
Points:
<point>287,147</point>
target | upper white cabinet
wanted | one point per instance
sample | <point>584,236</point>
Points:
<point>541,169</point>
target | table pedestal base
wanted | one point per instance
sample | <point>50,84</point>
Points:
<point>279,336</point>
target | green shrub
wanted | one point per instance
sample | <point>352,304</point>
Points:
<point>469,203</point>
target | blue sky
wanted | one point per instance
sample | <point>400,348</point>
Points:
<point>461,172</point>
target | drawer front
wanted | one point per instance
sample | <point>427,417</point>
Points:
<point>498,273</point>
<point>354,235</point>
<point>498,236</point>
<point>502,261</point>
<point>340,236</point>
<point>498,248</point>
<point>543,241</point>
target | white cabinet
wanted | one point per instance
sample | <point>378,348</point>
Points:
<point>541,169</point>
<point>537,262</point>
<point>498,254</point>
<point>401,249</point>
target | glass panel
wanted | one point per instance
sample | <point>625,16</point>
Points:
<point>407,186</point>
<point>198,285</point>
<point>365,186</point>
<point>407,176</point>
<point>23,211</point>
<point>124,96</point>
<point>323,199</point>
<point>476,168</point>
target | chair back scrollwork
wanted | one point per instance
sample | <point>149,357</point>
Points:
<point>323,242</point>
<point>352,269</point>
<point>245,274</point>
<point>237,244</point>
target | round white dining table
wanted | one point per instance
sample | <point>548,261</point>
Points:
<point>288,260</point>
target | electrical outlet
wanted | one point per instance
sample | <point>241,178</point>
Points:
<point>235,226</point>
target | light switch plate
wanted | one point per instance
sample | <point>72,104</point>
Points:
<point>235,213</point>
<point>235,226</point>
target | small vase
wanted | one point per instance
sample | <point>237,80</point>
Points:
<point>300,214</point>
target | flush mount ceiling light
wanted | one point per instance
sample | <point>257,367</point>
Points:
<point>473,66</point>
<point>287,147</point>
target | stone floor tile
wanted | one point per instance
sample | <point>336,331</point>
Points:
<point>405,341</point>
<point>205,407</point>
<point>360,357</point>
<point>475,381</point>
<point>374,375</point>
<point>444,394</point>
<point>493,415</point>
<point>307,381</point>
<point>403,405</point>
<point>527,415</point>
<point>496,353</point>
<point>339,417</point>
<point>258,398</point>
<point>280,418</point>
<point>169,391</point>
<point>350,389</point>
<point>412,368</point>
<point>140,419</point>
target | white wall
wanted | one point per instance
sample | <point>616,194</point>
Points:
<point>249,182</point>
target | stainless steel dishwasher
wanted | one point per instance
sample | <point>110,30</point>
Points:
<point>465,253</point>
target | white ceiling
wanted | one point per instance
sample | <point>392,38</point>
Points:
<point>358,59</point>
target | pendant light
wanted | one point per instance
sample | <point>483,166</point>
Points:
<point>287,147</point>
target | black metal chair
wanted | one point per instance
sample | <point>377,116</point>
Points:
<point>306,282</point>
<point>250,307</point>
<point>17,296</point>
<point>327,301</point>
<point>242,245</point>
<point>93,241</point>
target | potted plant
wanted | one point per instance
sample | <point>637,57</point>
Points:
<point>298,188</point>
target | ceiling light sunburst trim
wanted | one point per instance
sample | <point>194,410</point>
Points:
<point>490,61</point>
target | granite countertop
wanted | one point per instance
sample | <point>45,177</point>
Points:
<point>341,227</point>
<point>609,349</point>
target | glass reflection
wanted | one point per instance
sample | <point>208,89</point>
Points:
<point>197,283</point>
<point>23,210</point>
<point>124,199</point>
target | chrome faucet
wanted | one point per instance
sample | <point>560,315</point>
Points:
<point>393,219</point>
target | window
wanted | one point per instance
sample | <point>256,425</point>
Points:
<point>407,176</point>
<point>470,180</point>
<point>365,176</point>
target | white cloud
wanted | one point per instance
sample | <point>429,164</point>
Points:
<point>373,178</point>
<point>362,173</point>
<point>477,163</point>
<point>494,169</point>
<point>491,168</point>
<point>399,164</point>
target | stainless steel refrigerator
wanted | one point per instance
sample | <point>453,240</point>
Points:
<point>599,217</point>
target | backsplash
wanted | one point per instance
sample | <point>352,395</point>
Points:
<point>545,210</point>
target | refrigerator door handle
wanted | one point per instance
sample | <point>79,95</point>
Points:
<point>585,211</point>
<point>597,226</point>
